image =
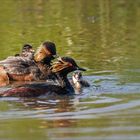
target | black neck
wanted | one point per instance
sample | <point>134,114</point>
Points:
<point>64,83</point>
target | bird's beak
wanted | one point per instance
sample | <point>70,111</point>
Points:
<point>79,68</point>
<point>31,50</point>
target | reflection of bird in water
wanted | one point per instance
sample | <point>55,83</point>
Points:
<point>59,71</point>
<point>52,110</point>
<point>78,82</point>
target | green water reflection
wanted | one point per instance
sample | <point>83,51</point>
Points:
<point>103,36</point>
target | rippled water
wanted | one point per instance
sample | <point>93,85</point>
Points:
<point>103,37</point>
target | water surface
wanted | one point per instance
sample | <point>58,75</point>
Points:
<point>102,36</point>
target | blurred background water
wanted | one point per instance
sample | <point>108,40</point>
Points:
<point>103,36</point>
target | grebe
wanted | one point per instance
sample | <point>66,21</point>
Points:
<point>78,81</point>
<point>60,70</point>
<point>26,69</point>
<point>27,51</point>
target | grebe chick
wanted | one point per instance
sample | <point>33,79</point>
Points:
<point>27,51</point>
<point>78,81</point>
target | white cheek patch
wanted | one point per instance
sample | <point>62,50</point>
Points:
<point>77,77</point>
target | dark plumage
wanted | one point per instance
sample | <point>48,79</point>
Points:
<point>24,68</point>
<point>61,85</point>
<point>46,49</point>
<point>27,51</point>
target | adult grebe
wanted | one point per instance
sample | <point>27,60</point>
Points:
<point>59,70</point>
<point>26,69</point>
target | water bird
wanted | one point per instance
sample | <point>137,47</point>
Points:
<point>78,81</point>
<point>60,69</point>
<point>25,69</point>
<point>43,58</point>
<point>27,51</point>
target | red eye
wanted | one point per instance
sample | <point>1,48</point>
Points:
<point>70,64</point>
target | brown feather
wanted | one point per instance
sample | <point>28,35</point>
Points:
<point>41,53</point>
